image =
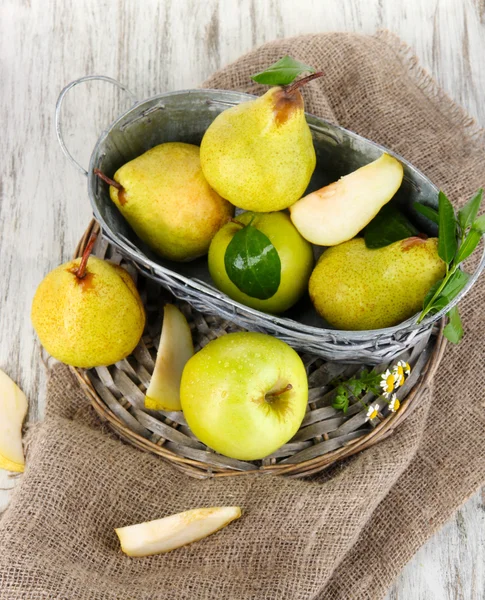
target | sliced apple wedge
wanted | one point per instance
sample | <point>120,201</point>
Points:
<point>174,351</point>
<point>337,212</point>
<point>169,533</point>
<point>13,408</point>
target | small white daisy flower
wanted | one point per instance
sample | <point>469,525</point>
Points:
<point>394,404</point>
<point>388,383</point>
<point>372,412</point>
<point>401,371</point>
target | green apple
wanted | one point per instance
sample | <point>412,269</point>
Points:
<point>245,394</point>
<point>295,254</point>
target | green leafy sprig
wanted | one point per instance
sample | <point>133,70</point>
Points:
<point>458,236</point>
<point>366,381</point>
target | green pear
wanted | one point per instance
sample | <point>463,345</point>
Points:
<point>166,199</point>
<point>355,288</point>
<point>88,312</point>
<point>295,253</point>
<point>337,212</point>
<point>259,154</point>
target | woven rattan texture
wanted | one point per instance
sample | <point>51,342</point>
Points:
<point>325,436</point>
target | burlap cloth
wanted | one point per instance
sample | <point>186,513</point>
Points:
<point>342,535</point>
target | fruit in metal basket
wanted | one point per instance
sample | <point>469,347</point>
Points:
<point>166,199</point>
<point>174,351</point>
<point>245,394</point>
<point>337,212</point>
<point>169,533</point>
<point>357,288</point>
<point>88,312</point>
<point>13,408</point>
<point>294,266</point>
<point>259,154</point>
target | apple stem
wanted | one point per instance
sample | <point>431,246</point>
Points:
<point>273,395</point>
<point>297,84</point>
<point>109,181</point>
<point>81,270</point>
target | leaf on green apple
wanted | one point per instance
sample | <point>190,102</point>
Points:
<point>388,226</point>
<point>253,263</point>
<point>282,72</point>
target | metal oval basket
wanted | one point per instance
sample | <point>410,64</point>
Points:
<point>184,116</point>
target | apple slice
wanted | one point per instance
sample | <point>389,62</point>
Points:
<point>174,351</point>
<point>337,212</point>
<point>13,408</point>
<point>169,533</point>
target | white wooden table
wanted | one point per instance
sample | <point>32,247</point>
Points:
<point>159,45</point>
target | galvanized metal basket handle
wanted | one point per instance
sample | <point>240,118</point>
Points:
<point>60,101</point>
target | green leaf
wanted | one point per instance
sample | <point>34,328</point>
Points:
<point>387,227</point>
<point>446,229</point>
<point>468,213</point>
<point>427,211</point>
<point>253,263</point>
<point>469,244</point>
<point>454,330</point>
<point>455,284</point>
<point>452,288</point>
<point>282,72</point>
<point>480,224</point>
<point>341,402</point>
<point>431,293</point>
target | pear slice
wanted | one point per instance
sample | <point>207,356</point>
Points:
<point>337,212</point>
<point>169,533</point>
<point>13,408</point>
<point>174,351</point>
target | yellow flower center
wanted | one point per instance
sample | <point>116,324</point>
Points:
<point>390,383</point>
<point>373,414</point>
<point>396,404</point>
<point>400,375</point>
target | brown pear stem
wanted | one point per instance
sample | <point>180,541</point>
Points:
<point>109,181</point>
<point>238,222</point>
<point>297,84</point>
<point>81,270</point>
<point>270,397</point>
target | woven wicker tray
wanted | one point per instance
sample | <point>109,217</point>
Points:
<point>325,436</point>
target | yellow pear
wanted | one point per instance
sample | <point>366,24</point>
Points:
<point>88,312</point>
<point>174,351</point>
<point>166,199</point>
<point>169,533</point>
<point>337,212</point>
<point>259,154</point>
<point>355,288</point>
<point>13,408</point>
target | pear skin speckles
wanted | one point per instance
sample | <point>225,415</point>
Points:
<point>355,288</point>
